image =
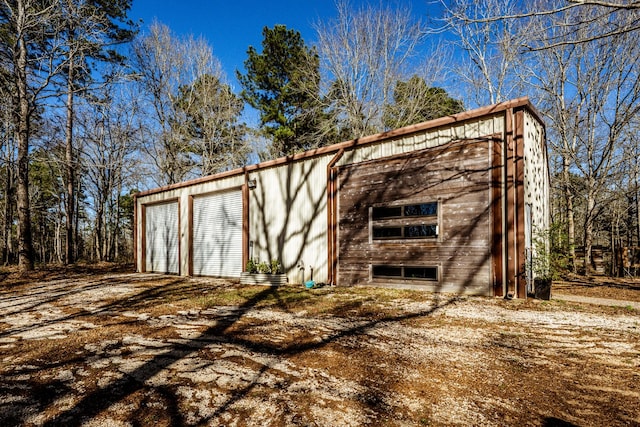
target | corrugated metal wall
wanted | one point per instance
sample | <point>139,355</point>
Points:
<point>536,176</point>
<point>288,212</point>
<point>288,217</point>
<point>484,126</point>
<point>217,234</point>
<point>183,194</point>
<point>288,206</point>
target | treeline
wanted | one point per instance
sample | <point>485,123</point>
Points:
<point>94,108</point>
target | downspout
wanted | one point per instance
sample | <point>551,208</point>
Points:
<point>135,233</point>
<point>507,222</point>
<point>331,218</point>
<point>246,242</point>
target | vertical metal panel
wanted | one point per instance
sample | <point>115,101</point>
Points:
<point>217,235</point>
<point>536,176</point>
<point>288,216</point>
<point>161,234</point>
<point>477,128</point>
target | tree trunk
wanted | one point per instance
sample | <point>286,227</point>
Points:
<point>76,238</point>
<point>25,244</point>
<point>637,200</point>
<point>588,233</point>
<point>571,228</point>
<point>8,214</point>
<point>70,166</point>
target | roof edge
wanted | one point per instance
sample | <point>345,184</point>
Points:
<point>522,102</point>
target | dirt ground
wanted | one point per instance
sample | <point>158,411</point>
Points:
<point>113,348</point>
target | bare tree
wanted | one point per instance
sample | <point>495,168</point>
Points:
<point>7,170</point>
<point>165,63</point>
<point>29,50</point>
<point>491,48</point>
<point>211,112</point>
<point>363,53</point>
<point>612,17</point>
<point>89,30</point>
<point>590,94</point>
<point>109,134</point>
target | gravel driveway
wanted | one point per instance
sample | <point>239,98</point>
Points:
<point>124,349</point>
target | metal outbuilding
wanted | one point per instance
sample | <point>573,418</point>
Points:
<point>451,205</point>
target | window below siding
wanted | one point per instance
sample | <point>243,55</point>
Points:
<point>404,222</point>
<point>401,272</point>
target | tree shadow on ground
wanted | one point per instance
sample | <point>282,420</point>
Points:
<point>97,401</point>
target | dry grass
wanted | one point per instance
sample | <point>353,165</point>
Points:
<point>113,348</point>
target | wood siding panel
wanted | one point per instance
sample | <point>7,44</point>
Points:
<point>457,175</point>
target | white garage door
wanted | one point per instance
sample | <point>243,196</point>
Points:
<point>161,234</point>
<point>217,235</point>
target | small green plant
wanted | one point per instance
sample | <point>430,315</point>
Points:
<point>275,266</point>
<point>264,268</point>
<point>252,267</point>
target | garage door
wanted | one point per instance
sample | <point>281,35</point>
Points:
<point>217,235</point>
<point>161,234</point>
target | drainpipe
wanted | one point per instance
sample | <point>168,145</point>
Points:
<point>135,233</point>
<point>331,218</point>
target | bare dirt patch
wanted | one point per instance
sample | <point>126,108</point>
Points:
<point>124,349</point>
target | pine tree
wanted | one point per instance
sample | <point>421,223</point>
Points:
<point>416,102</point>
<point>282,83</point>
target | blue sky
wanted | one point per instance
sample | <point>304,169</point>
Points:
<point>231,27</point>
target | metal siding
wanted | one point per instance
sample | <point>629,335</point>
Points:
<point>183,194</point>
<point>288,217</point>
<point>217,235</point>
<point>477,128</point>
<point>161,234</point>
<point>536,174</point>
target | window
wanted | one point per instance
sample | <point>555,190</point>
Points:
<point>423,209</point>
<point>384,212</point>
<point>387,232</point>
<point>400,272</point>
<point>414,221</point>
<point>420,231</point>
<point>386,271</point>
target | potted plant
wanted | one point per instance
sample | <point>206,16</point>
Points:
<point>263,273</point>
<point>547,262</point>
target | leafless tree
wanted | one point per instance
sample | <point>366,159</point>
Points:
<point>211,113</point>
<point>363,53</point>
<point>109,136</point>
<point>166,63</point>
<point>7,170</point>
<point>613,18</point>
<point>492,48</point>
<point>590,93</point>
<point>88,31</point>
<point>30,51</point>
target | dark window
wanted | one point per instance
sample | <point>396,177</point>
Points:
<point>386,271</point>
<point>420,231</point>
<point>387,232</point>
<point>383,212</point>
<point>428,273</point>
<point>403,222</point>
<point>422,209</point>
<point>411,273</point>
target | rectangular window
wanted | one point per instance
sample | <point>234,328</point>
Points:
<point>386,271</point>
<point>429,273</point>
<point>385,212</point>
<point>420,231</point>
<point>422,209</point>
<point>411,221</point>
<point>387,232</point>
